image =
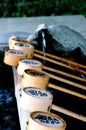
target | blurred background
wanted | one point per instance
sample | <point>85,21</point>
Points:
<point>29,8</point>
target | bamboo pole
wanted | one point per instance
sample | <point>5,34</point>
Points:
<point>69,113</point>
<point>67,81</point>
<point>53,61</point>
<point>67,91</point>
<point>58,63</point>
<point>64,73</point>
<point>60,59</point>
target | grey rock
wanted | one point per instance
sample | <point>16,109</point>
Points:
<point>59,37</point>
<point>67,39</point>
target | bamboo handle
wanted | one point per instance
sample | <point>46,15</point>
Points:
<point>67,81</point>
<point>69,113</point>
<point>64,73</point>
<point>67,91</point>
<point>58,63</point>
<point>60,59</point>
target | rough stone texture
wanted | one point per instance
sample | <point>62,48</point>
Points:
<point>59,37</point>
<point>67,39</point>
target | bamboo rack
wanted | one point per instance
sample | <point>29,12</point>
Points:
<point>73,81</point>
<point>66,64</point>
<point>60,61</point>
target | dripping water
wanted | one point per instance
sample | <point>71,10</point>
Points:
<point>43,45</point>
<point>43,42</point>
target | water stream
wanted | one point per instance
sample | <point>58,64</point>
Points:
<point>43,45</point>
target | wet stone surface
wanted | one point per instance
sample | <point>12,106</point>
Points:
<point>4,38</point>
<point>8,108</point>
